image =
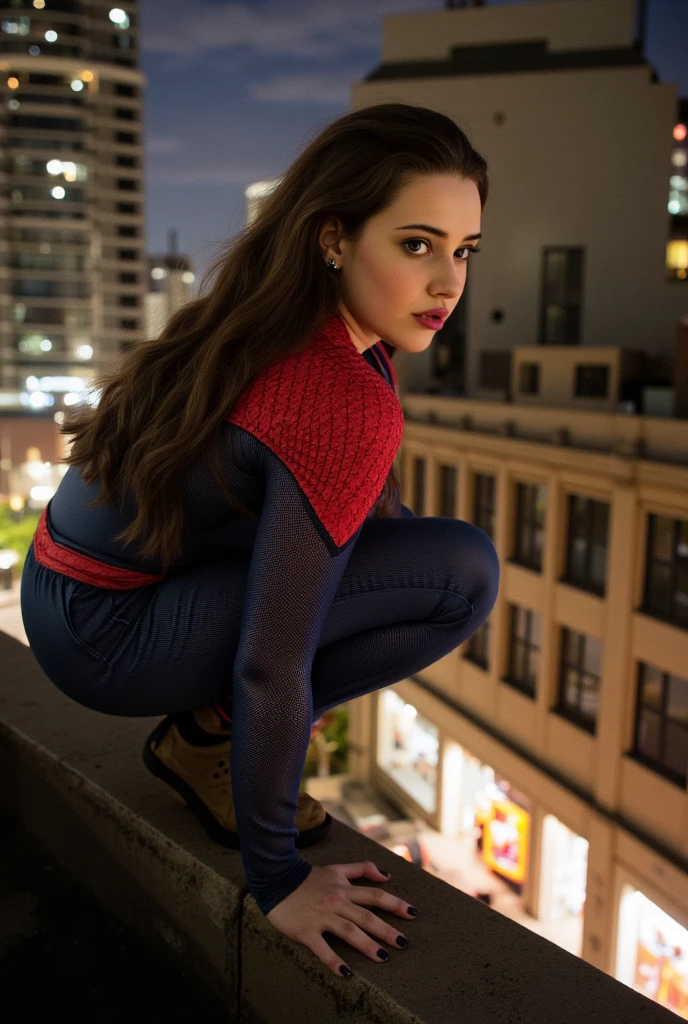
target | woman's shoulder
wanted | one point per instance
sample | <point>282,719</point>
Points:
<point>324,389</point>
<point>331,419</point>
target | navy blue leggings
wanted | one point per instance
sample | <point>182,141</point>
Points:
<point>413,590</point>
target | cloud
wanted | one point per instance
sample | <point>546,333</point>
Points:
<point>161,145</point>
<point>321,87</point>
<point>300,29</point>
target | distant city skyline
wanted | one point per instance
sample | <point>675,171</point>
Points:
<point>235,90</point>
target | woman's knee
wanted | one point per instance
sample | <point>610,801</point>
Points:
<point>478,556</point>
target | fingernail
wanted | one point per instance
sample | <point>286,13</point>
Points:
<point>412,911</point>
<point>384,873</point>
<point>383,954</point>
<point>401,941</point>
<point>345,970</point>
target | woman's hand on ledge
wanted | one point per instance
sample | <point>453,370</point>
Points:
<point>327,902</point>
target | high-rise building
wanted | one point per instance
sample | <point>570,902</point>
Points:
<point>72,242</point>
<point>170,286</point>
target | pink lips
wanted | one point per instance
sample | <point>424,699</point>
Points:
<point>436,322</point>
<point>440,311</point>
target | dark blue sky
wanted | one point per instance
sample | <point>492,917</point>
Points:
<point>235,90</point>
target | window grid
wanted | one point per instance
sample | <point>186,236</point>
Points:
<point>419,486</point>
<point>587,537</point>
<point>530,517</point>
<point>524,649</point>
<point>666,575</point>
<point>478,649</point>
<point>529,379</point>
<point>660,738</point>
<point>447,491</point>
<point>484,503</point>
<point>592,380</point>
<point>579,686</point>
<point>561,290</point>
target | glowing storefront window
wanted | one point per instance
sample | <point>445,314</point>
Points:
<point>652,952</point>
<point>408,749</point>
<point>563,871</point>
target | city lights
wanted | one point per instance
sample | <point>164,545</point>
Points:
<point>36,399</point>
<point>56,384</point>
<point>119,17</point>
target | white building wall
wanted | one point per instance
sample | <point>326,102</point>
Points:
<point>582,158</point>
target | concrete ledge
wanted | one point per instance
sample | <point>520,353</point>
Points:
<point>76,781</point>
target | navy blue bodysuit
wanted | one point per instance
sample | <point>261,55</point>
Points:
<point>265,612</point>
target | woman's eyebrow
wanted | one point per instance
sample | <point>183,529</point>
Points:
<point>435,231</point>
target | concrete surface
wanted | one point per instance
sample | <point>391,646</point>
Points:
<point>75,779</point>
<point>54,933</point>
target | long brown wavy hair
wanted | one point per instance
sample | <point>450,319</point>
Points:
<point>164,403</point>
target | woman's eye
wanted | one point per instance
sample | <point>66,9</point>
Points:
<point>421,241</point>
<point>415,241</point>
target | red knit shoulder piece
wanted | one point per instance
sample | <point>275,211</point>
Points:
<point>333,421</point>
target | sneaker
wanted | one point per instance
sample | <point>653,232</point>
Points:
<point>191,752</point>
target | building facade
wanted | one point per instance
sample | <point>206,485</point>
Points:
<point>585,230</point>
<point>575,691</point>
<point>558,734</point>
<point>73,268</point>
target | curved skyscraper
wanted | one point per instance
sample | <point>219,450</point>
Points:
<point>72,247</point>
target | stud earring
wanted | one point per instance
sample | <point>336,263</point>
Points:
<point>332,265</point>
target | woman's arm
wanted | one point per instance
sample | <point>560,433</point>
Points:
<point>292,581</point>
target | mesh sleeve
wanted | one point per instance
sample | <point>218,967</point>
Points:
<point>293,577</point>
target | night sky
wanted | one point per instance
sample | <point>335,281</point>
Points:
<point>235,90</point>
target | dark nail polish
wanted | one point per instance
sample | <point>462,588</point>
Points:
<point>383,954</point>
<point>382,872</point>
<point>345,970</point>
<point>401,941</point>
<point>412,911</point>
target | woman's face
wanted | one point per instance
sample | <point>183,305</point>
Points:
<point>395,271</point>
